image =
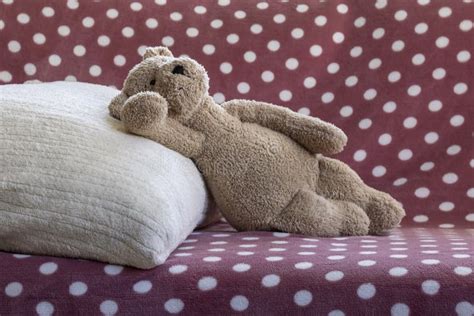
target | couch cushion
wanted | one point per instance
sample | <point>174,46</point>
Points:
<point>74,184</point>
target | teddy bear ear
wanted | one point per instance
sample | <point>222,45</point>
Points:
<point>157,51</point>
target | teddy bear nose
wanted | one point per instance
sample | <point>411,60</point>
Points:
<point>178,70</point>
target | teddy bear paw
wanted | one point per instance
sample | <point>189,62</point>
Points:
<point>144,111</point>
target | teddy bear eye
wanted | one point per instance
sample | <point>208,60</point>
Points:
<point>178,70</point>
<point>152,83</point>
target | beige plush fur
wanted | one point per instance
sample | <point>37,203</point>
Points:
<point>263,163</point>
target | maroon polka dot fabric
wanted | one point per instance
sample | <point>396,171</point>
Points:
<point>396,76</point>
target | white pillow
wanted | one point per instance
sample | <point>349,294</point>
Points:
<point>73,184</point>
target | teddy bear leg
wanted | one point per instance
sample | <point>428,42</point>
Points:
<point>338,181</point>
<point>311,214</point>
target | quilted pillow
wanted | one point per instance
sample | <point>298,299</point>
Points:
<point>73,184</point>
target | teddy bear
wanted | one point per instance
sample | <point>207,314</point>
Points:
<point>265,165</point>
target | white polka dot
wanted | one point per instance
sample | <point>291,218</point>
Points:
<point>379,171</point>
<point>398,271</point>
<point>427,166</point>
<point>256,29</point>
<point>463,271</point>
<point>223,3</point>
<point>241,267</point>
<point>351,81</point>
<point>333,68</point>
<point>219,97</point>
<point>360,155</point>
<point>285,95</point>
<point>13,289</point>
<point>88,22</point>
<point>151,23</point>
<point>422,192</point>
<point>366,291</point>
<point>342,8</point>
<point>119,60</point>
<point>418,59</point>
<point>128,32</point>
<point>243,87</point>
<point>464,309</point>
<point>23,18</point>
<point>450,178</point>
<point>400,309</point>
<point>442,42</point>
<point>297,33</point>
<point>48,268</point>
<point>456,120</point>
<point>389,107</point>
<point>303,265</point>
<point>216,24</point>
<point>48,12</point>
<point>268,76</point>
<point>431,137</point>
<point>366,263</point>
<point>207,283</point>
<point>405,154</point>
<point>444,12</point>
<point>95,70</point>
<point>113,269</point>
<point>334,276</point>
<point>279,18</point>
<point>291,63</point>
<point>302,8</point>
<point>212,259</point>
<point>30,69</point>
<point>453,150</point>
<point>14,46</point>
<point>64,30</point>
<point>200,9</point>
<point>193,32</point>
<point>378,33</point>
<point>385,139</point>
<point>359,22</point>
<point>304,111</point>
<point>167,41</point>
<point>77,288</point>
<point>209,49</point>
<point>430,287</point>
<point>439,73</point>
<point>370,94</point>
<point>225,68</point>
<point>103,40</point>
<point>274,258</point>
<point>174,306</point>
<point>338,37</point>
<point>176,16</point>
<point>420,219</point>
<point>465,25</point>
<point>79,50</point>
<point>142,287</point>
<point>336,313</point>
<point>327,97</point>
<point>320,20</point>
<point>375,63</point>
<point>136,6</point>
<point>399,182</point>
<point>430,261</point>
<point>309,82</point>
<point>112,13</point>
<point>380,4</point>
<point>460,88</point>
<point>239,303</point>
<point>400,15</point>
<point>421,28</point>
<point>398,46</point>
<point>346,111</point>
<point>303,298</point>
<point>414,90</point>
<point>356,51</point>
<point>463,56</point>
<point>435,105</point>
<point>273,45</point>
<point>410,122</point>
<point>365,123</point>
<point>270,280</point>
<point>316,50</point>
<point>45,309</point>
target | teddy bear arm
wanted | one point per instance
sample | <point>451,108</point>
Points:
<point>312,133</point>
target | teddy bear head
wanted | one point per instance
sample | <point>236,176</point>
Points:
<point>180,80</point>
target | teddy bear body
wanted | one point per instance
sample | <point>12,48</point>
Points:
<point>264,164</point>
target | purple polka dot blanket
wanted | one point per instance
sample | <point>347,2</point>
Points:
<point>396,76</point>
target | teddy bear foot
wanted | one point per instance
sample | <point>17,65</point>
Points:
<point>384,212</point>
<point>356,222</point>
